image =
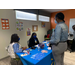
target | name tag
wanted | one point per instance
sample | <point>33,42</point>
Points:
<point>35,41</point>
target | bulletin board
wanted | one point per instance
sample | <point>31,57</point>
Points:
<point>34,28</point>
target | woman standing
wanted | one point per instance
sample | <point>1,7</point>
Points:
<point>59,39</point>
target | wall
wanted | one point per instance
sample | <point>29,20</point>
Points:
<point>68,14</point>
<point>6,34</point>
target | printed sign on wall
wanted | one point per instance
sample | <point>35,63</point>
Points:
<point>19,25</point>
<point>28,32</point>
<point>5,24</point>
<point>43,24</point>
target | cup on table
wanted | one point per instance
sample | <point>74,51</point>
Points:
<point>28,52</point>
<point>38,48</point>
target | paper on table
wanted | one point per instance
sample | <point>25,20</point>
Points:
<point>25,51</point>
<point>44,51</point>
<point>34,28</point>
<point>23,55</point>
<point>36,45</point>
<point>49,48</point>
<point>44,42</point>
<point>47,44</point>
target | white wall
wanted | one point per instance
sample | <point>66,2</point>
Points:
<point>5,35</point>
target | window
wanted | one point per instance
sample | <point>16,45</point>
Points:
<point>43,18</point>
<point>25,16</point>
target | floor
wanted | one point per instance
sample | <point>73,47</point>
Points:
<point>69,59</point>
<point>5,61</point>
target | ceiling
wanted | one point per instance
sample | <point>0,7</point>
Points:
<point>54,10</point>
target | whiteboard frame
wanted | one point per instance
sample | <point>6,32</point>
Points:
<point>71,23</point>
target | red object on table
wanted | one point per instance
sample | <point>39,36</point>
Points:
<point>48,35</point>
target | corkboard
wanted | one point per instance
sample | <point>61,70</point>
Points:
<point>34,28</point>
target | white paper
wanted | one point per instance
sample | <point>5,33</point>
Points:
<point>44,42</point>
<point>3,27</point>
<point>7,27</point>
<point>6,24</point>
<point>6,21</point>
<point>47,44</point>
<point>24,51</point>
<point>2,20</point>
<point>49,48</point>
<point>36,45</point>
<point>34,28</point>
<point>23,55</point>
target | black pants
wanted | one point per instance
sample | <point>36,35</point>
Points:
<point>73,45</point>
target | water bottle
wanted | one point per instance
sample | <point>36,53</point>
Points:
<point>38,48</point>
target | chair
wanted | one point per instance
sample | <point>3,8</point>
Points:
<point>48,36</point>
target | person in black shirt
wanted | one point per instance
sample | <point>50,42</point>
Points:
<point>73,43</point>
<point>33,40</point>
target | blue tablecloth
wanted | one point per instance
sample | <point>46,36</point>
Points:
<point>47,58</point>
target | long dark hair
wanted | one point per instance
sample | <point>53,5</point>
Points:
<point>14,38</point>
<point>60,16</point>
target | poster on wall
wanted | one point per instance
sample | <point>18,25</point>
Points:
<point>28,31</point>
<point>19,25</point>
<point>43,24</point>
<point>5,24</point>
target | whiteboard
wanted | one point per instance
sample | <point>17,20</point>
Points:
<point>72,22</point>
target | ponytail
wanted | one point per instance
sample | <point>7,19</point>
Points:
<point>63,20</point>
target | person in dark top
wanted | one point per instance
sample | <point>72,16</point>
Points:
<point>33,40</point>
<point>73,43</point>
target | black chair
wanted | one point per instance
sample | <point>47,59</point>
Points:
<point>48,32</point>
<point>45,38</point>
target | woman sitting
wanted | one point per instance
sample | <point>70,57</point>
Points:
<point>14,48</point>
<point>73,43</point>
<point>33,40</point>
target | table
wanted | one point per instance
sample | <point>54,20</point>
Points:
<point>46,60</point>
